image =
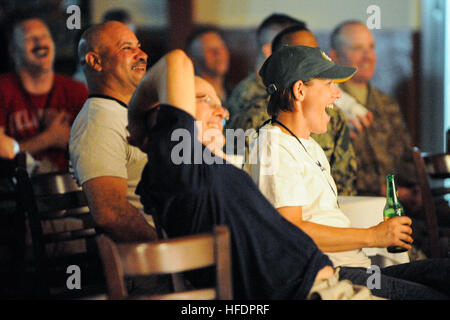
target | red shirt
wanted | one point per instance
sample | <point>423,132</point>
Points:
<point>23,116</point>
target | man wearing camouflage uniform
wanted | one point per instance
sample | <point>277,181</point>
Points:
<point>382,144</point>
<point>248,109</point>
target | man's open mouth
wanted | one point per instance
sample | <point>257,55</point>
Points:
<point>41,52</point>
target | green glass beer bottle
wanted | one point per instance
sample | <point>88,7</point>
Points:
<point>393,207</point>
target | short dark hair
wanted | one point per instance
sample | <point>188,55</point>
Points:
<point>119,14</point>
<point>277,42</point>
<point>335,41</point>
<point>198,32</point>
<point>19,16</point>
<point>282,100</point>
<point>274,20</point>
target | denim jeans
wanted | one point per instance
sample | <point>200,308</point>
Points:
<point>417,280</point>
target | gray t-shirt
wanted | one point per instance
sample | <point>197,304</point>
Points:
<point>98,146</point>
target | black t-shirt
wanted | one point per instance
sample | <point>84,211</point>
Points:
<point>271,258</point>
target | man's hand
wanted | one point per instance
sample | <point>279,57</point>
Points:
<point>393,232</point>
<point>59,131</point>
<point>325,273</point>
<point>161,83</point>
<point>360,124</point>
<point>6,145</point>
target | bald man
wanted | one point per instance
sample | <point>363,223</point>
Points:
<point>105,165</point>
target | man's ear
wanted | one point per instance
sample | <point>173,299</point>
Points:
<point>93,60</point>
<point>298,89</point>
<point>267,49</point>
<point>333,55</point>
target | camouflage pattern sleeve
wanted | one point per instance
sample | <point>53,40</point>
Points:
<point>247,104</point>
<point>338,148</point>
<point>400,144</point>
<point>384,147</point>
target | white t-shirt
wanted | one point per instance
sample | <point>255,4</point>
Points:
<point>98,146</point>
<point>289,176</point>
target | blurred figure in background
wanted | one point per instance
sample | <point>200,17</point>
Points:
<point>121,15</point>
<point>381,139</point>
<point>250,93</point>
<point>209,53</point>
<point>37,106</point>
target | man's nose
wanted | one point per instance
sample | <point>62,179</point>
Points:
<point>223,112</point>
<point>141,54</point>
<point>38,40</point>
<point>369,53</point>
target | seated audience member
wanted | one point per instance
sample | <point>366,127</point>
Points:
<point>381,139</point>
<point>337,146</point>
<point>105,165</point>
<point>294,174</point>
<point>211,58</point>
<point>38,105</point>
<point>190,198</point>
<point>250,96</point>
<point>248,102</point>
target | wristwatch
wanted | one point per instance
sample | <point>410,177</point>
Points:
<point>16,147</point>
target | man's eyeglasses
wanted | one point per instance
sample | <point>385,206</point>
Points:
<point>210,102</point>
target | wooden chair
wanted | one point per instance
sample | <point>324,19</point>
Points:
<point>63,234</point>
<point>431,167</point>
<point>165,257</point>
<point>12,229</point>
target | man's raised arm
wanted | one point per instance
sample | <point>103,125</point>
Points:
<point>169,81</point>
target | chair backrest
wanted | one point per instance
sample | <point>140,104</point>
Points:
<point>13,198</point>
<point>166,257</point>
<point>62,230</point>
<point>428,202</point>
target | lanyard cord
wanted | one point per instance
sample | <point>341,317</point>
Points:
<point>299,141</point>
<point>274,120</point>
<point>41,120</point>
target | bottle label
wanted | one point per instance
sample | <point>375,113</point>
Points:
<point>393,212</point>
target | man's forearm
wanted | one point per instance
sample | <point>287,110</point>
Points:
<point>128,226</point>
<point>111,210</point>
<point>36,144</point>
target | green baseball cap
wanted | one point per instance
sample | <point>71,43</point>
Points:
<point>292,63</point>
